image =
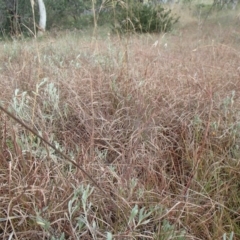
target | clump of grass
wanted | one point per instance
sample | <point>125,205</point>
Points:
<point>156,126</point>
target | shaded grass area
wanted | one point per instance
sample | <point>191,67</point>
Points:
<point>153,119</point>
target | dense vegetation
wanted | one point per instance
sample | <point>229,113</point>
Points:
<point>129,15</point>
<point>143,18</point>
<point>17,17</point>
<point>151,119</point>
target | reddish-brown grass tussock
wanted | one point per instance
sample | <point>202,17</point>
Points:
<point>152,119</point>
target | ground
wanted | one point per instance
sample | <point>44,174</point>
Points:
<point>153,119</point>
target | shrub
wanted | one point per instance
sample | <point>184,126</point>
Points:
<point>143,18</point>
<point>203,10</point>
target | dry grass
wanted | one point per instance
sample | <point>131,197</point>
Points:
<point>154,120</point>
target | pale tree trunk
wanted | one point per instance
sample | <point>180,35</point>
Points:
<point>43,16</point>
